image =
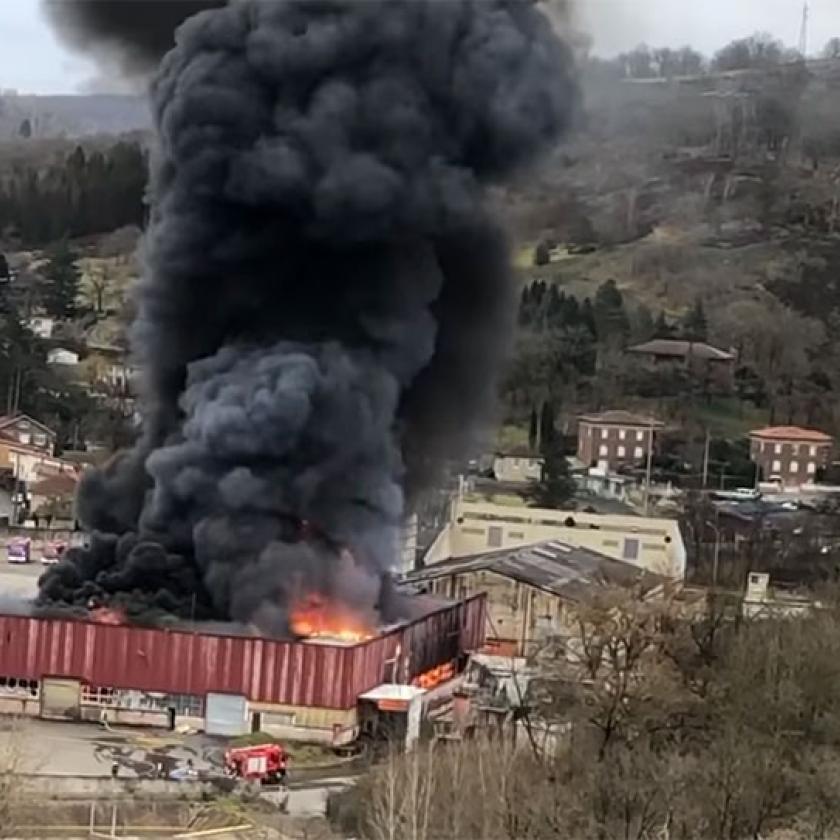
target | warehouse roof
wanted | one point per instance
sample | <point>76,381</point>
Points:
<point>568,571</point>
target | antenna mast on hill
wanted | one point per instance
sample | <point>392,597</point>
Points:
<point>803,32</point>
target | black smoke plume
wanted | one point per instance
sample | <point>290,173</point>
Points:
<point>135,34</point>
<point>325,297</point>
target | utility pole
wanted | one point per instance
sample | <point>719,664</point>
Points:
<point>649,465</point>
<point>803,32</point>
<point>706,460</point>
<point>716,561</point>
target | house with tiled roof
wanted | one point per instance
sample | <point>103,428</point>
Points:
<point>790,455</point>
<point>712,364</point>
<point>613,439</point>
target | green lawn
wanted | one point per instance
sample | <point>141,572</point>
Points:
<point>730,418</point>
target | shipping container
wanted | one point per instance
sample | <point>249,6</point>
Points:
<point>176,661</point>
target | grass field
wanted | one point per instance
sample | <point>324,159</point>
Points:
<point>731,418</point>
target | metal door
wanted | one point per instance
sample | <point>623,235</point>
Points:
<point>227,714</point>
<point>61,698</point>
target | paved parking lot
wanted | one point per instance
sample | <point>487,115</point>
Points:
<point>19,581</point>
<point>87,749</point>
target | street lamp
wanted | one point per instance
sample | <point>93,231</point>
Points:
<point>717,552</point>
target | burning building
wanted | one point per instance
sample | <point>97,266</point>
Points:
<point>324,301</point>
<point>221,677</point>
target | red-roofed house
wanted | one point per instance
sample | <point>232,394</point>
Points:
<point>790,454</point>
<point>715,366</point>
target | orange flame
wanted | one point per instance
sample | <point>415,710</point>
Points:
<point>107,615</point>
<point>318,617</point>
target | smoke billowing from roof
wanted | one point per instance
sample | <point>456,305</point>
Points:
<point>325,297</point>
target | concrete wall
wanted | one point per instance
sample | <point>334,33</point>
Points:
<point>20,706</point>
<point>517,470</point>
<point>75,787</point>
<point>39,536</point>
<point>125,717</point>
<point>658,542</point>
<point>326,726</point>
<point>519,615</point>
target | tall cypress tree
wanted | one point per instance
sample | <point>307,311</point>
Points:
<point>556,486</point>
<point>61,285</point>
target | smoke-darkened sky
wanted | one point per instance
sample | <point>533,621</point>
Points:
<point>33,61</point>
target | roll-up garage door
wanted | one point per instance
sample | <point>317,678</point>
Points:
<point>61,698</point>
<point>226,714</point>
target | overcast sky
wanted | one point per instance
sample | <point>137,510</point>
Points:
<point>32,61</point>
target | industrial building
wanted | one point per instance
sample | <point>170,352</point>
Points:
<point>655,545</point>
<point>220,680</point>
<point>533,591</point>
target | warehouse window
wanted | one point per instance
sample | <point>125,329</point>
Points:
<point>190,705</point>
<point>14,687</point>
<point>631,549</point>
<point>278,718</point>
<point>98,695</point>
<point>183,704</point>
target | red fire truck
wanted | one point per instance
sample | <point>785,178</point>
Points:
<point>264,763</point>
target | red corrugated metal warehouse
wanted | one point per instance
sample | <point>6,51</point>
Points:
<point>82,669</point>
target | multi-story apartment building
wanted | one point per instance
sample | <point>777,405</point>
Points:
<point>790,454</point>
<point>615,438</point>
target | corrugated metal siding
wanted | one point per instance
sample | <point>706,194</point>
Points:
<point>262,669</point>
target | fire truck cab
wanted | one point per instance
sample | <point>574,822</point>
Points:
<point>264,763</point>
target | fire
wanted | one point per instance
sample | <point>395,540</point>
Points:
<point>107,615</point>
<point>318,617</point>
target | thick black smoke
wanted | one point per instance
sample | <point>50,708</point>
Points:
<point>325,298</point>
<point>135,34</point>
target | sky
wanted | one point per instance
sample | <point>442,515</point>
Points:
<point>33,61</point>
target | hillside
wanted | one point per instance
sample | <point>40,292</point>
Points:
<point>720,193</point>
<point>46,117</point>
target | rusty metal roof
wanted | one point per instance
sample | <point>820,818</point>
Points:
<point>568,571</point>
<point>176,661</point>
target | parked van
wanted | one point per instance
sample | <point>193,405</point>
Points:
<point>19,550</point>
